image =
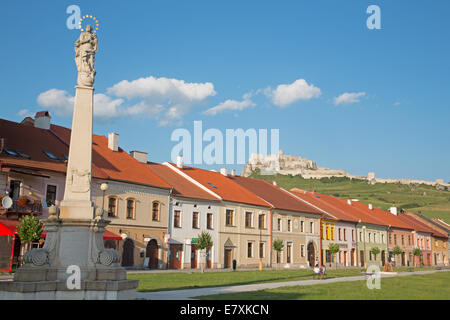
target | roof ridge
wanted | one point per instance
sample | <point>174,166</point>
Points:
<point>187,177</point>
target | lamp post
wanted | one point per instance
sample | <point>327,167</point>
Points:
<point>104,187</point>
<point>364,237</point>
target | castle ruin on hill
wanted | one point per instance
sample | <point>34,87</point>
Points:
<point>294,165</point>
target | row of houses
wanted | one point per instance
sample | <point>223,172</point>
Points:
<point>158,210</point>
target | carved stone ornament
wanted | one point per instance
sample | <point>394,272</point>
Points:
<point>37,257</point>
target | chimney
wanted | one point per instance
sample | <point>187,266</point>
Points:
<point>180,162</point>
<point>223,171</point>
<point>42,120</point>
<point>274,183</point>
<point>233,172</point>
<point>393,210</point>
<point>370,206</point>
<point>140,156</point>
<point>349,202</point>
<point>113,141</point>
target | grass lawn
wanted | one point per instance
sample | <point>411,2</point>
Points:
<point>416,287</point>
<point>416,198</point>
<point>181,280</point>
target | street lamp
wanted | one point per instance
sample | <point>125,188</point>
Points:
<point>104,187</point>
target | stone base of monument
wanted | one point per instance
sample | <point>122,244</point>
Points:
<point>58,290</point>
<point>72,265</point>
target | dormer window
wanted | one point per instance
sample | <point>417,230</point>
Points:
<point>50,155</point>
<point>11,152</point>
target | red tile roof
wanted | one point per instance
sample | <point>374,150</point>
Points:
<point>107,164</point>
<point>386,217</point>
<point>181,186</point>
<point>326,204</point>
<point>280,199</point>
<point>431,229</point>
<point>417,225</point>
<point>223,186</point>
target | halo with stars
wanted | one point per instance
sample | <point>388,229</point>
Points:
<point>94,25</point>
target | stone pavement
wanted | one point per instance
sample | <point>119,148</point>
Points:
<point>189,294</point>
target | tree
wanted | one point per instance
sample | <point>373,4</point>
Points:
<point>334,248</point>
<point>204,242</point>
<point>29,230</point>
<point>278,247</point>
<point>416,253</point>
<point>396,252</point>
<point>375,251</point>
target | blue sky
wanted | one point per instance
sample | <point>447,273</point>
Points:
<point>396,127</point>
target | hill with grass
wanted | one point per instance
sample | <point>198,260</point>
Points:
<point>419,198</point>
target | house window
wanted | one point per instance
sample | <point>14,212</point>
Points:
<point>403,240</point>
<point>14,189</point>
<point>177,219</point>
<point>262,221</point>
<point>195,220</point>
<point>409,240</point>
<point>327,232</point>
<point>229,219</point>
<point>279,224</point>
<point>390,238</point>
<point>130,208</point>
<point>382,238</point>
<point>345,234</point>
<point>332,232</point>
<point>156,206</point>
<point>261,250</point>
<point>395,239</point>
<point>209,221</point>
<point>353,235</point>
<point>249,220</point>
<point>289,225</point>
<point>339,234</point>
<point>249,250</point>
<point>311,227</point>
<point>112,207</point>
<point>302,250</point>
<point>302,226</point>
<point>50,195</point>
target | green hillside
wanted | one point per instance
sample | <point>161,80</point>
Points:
<point>416,198</point>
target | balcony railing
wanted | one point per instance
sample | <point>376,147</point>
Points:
<point>21,207</point>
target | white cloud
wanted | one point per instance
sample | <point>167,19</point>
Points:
<point>348,98</point>
<point>60,101</point>
<point>397,103</point>
<point>230,105</point>
<point>286,94</point>
<point>168,99</point>
<point>25,113</point>
<point>162,98</point>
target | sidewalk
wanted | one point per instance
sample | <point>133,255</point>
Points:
<point>189,294</point>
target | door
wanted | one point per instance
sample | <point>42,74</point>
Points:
<point>352,257</point>
<point>311,254</point>
<point>208,258</point>
<point>403,259</point>
<point>383,258</point>
<point>345,258</point>
<point>288,253</point>
<point>194,257</point>
<point>128,253</point>
<point>227,258</point>
<point>175,256</point>
<point>152,254</point>
<point>361,256</point>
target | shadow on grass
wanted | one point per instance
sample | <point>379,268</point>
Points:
<point>287,278</point>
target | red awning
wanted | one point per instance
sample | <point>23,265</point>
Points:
<point>9,228</point>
